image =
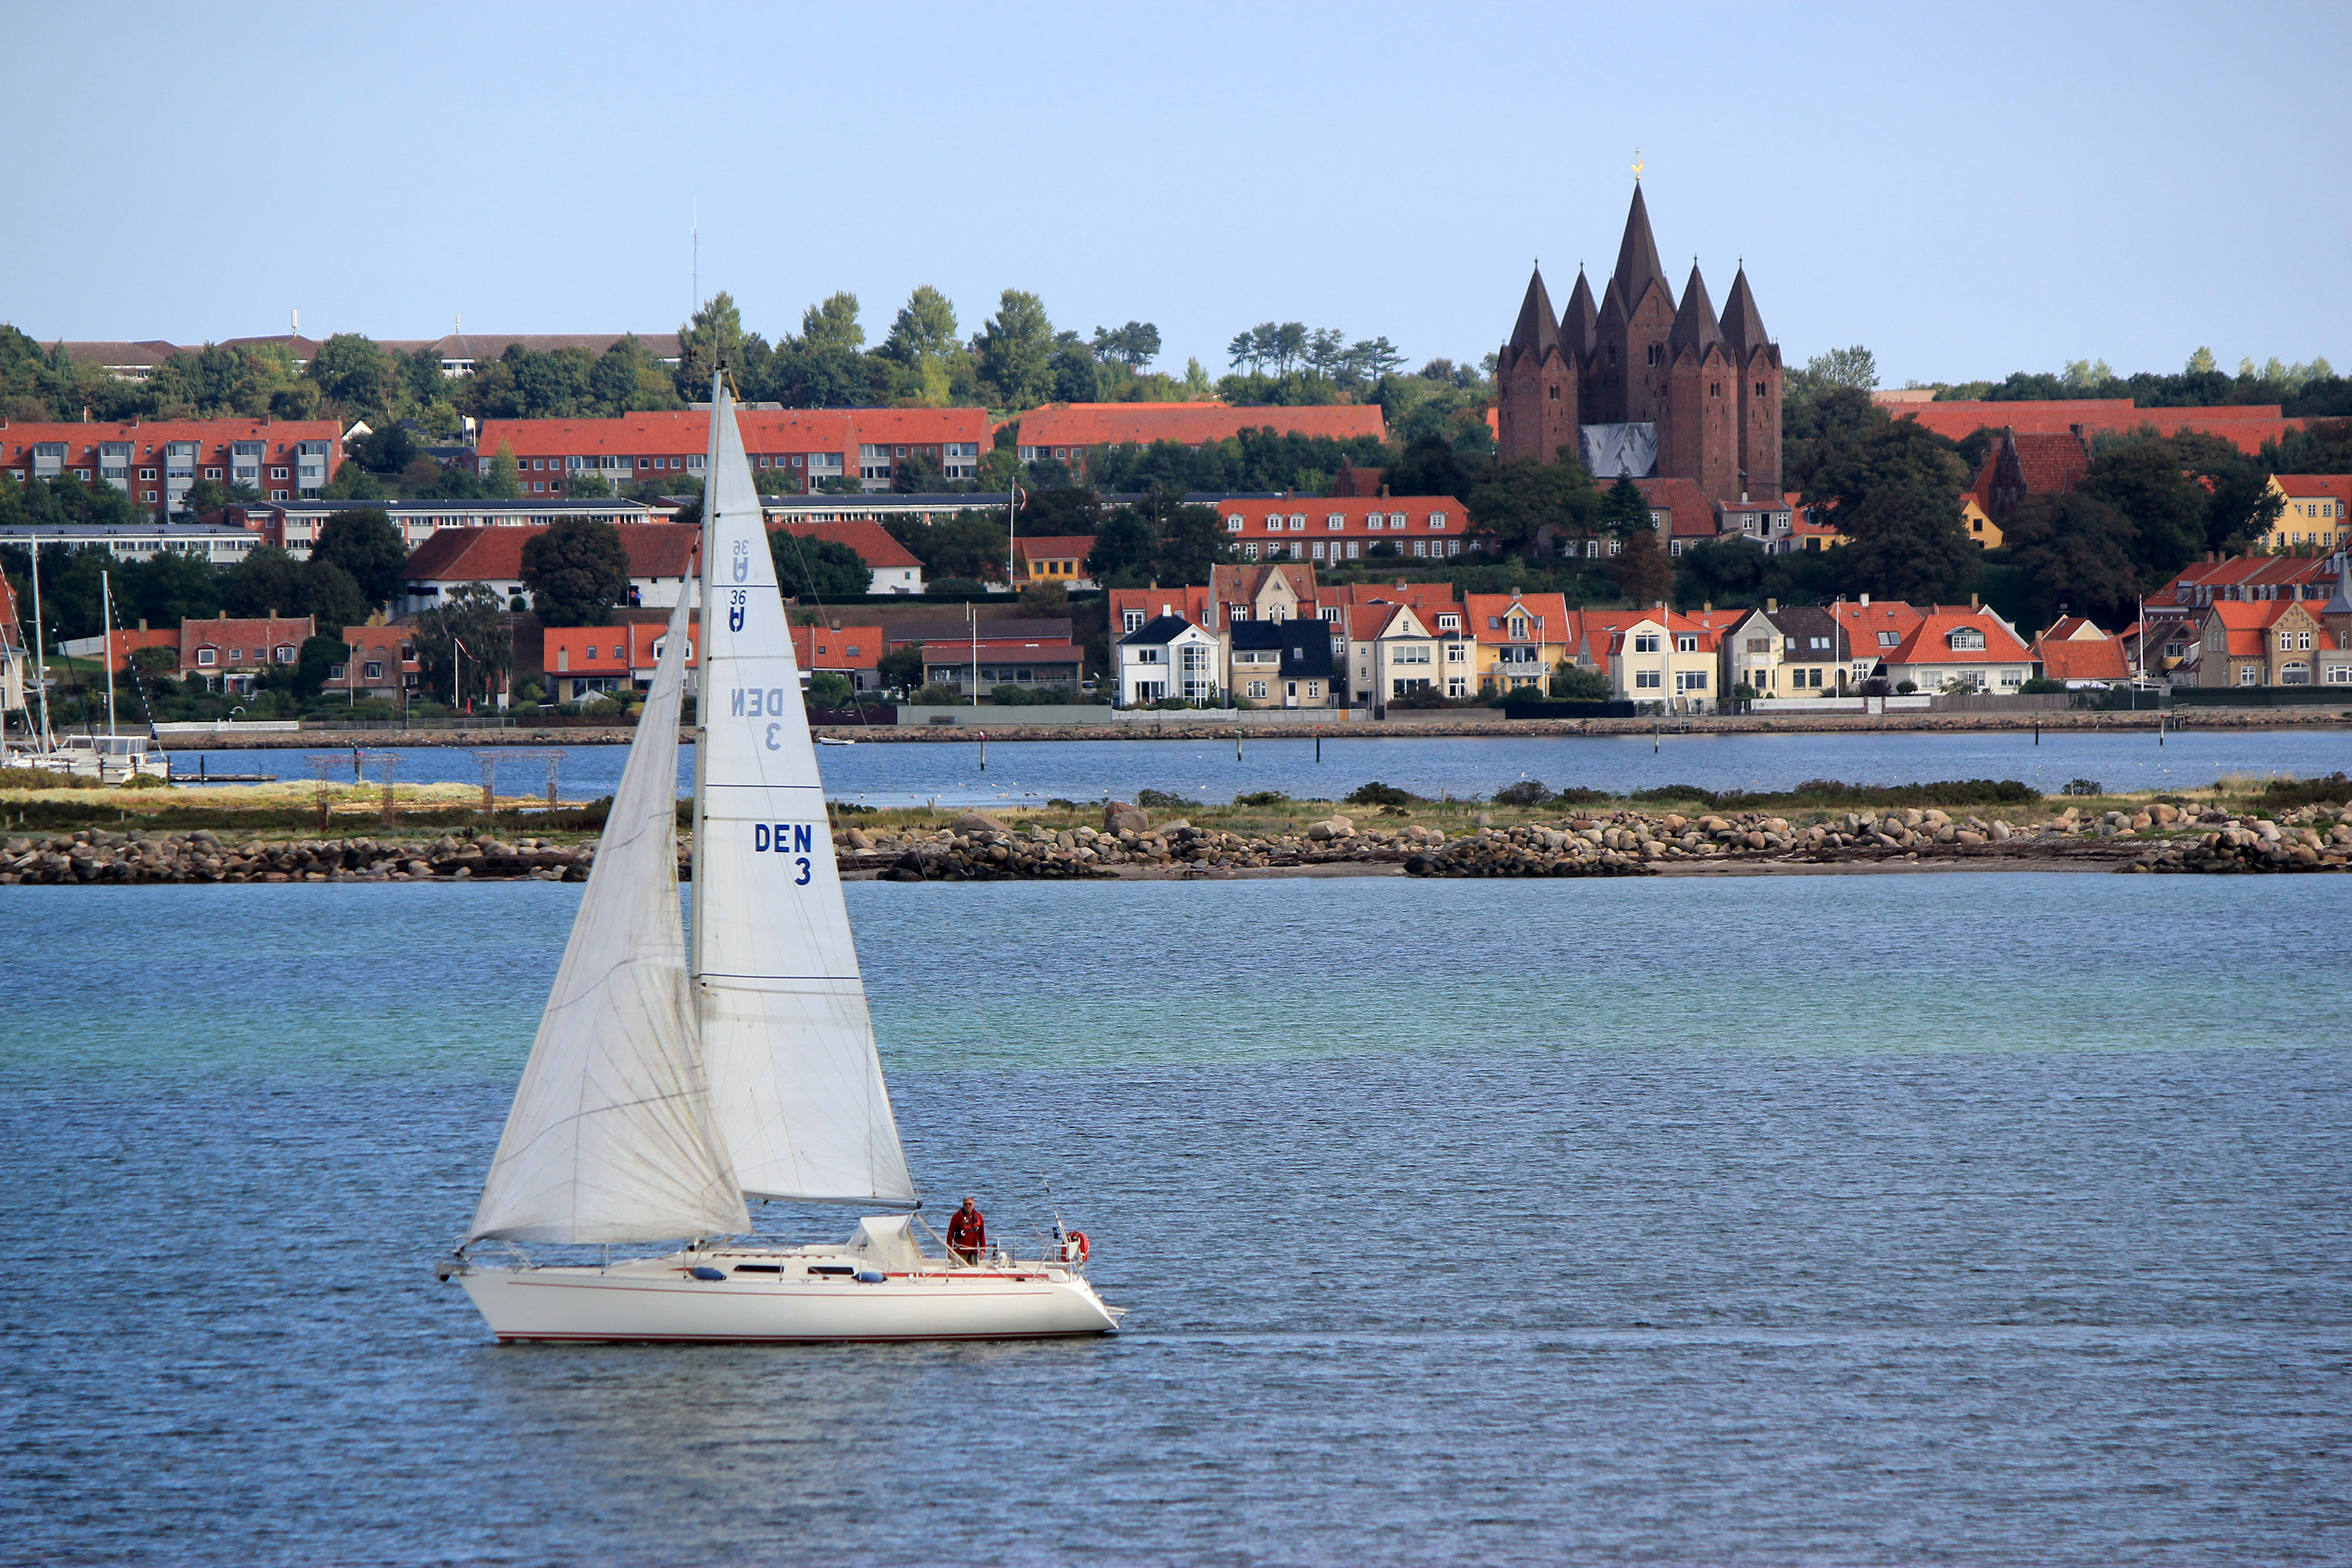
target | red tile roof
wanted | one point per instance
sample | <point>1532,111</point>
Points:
<point>1690,514</point>
<point>869,539</point>
<point>1082,424</point>
<point>850,647</point>
<point>147,438</point>
<point>1928,642</point>
<point>2246,426</point>
<point>494,554</point>
<point>2065,654</point>
<point>682,433</point>
<point>2052,465</point>
<point>1488,617</point>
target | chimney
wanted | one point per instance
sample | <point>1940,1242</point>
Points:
<point>1771,607</point>
<point>1384,492</point>
<point>1707,606</point>
<point>142,622</point>
<point>1865,601</point>
<point>224,615</point>
<point>1972,604</point>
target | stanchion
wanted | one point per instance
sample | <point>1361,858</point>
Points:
<point>984,750</point>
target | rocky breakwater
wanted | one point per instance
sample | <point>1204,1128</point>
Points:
<point>2159,837</point>
<point>205,856</point>
<point>977,846</point>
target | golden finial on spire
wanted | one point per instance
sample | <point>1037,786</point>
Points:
<point>1637,165</point>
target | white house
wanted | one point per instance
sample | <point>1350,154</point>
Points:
<point>1167,657</point>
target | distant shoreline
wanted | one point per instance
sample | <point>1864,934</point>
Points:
<point>1194,728</point>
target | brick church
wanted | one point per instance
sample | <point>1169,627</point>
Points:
<point>1642,385</point>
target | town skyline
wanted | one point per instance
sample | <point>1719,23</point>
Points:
<point>2098,207</point>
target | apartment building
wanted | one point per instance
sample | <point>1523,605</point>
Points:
<point>157,462</point>
<point>293,526</point>
<point>1065,432</point>
<point>808,446</point>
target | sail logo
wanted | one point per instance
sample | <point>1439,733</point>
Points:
<point>735,610</point>
<point>783,838</point>
<point>742,560</point>
<point>752,702</point>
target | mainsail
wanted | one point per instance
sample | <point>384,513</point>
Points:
<point>610,1138</point>
<point>795,1083</point>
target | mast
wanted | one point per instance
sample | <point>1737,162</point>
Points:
<point>40,662</point>
<point>697,881</point>
<point>106,641</point>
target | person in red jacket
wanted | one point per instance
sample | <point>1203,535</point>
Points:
<point>968,1232</point>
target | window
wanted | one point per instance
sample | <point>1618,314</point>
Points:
<point>1645,642</point>
<point>1233,523</point>
<point>2250,675</point>
<point>1647,679</point>
<point>1417,653</point>
<point>1687,642</point>
<point>1449,623</point>
<point>206,655</point>
<point>286,653</point>
<point>212,473</point>
<point>1256,688</point>
<point>1375,521</point>
<point>1297,523</point>
<point>1336,522</point>
<point>1759,645</point>
<point>372,670</point>
<point>1396,520</point>
<point>1436,521</point>
<point>1690,680</point>
<point>1889,639</point>
<point>1970,637</point>
<point>1131,620</point>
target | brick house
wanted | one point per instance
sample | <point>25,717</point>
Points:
<point>227,654</point>
<point>157,462</point>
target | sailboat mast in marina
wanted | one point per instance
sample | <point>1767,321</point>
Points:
<point>673,1084</point>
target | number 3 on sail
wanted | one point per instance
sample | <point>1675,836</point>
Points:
<point>672,1082</point>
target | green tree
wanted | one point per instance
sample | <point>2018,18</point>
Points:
<point>1191,541</point>
<point>970,544</point>
<point>715,334</point>
<point>576,573</point>
<point>2143,481</point>
<point>320,653</point>
<point>384,451</point>
<point>1430,465</point>
<point>1624,510</point>
<point>1643,573</point>
<point>351,371</point>
<point>353,482</point>
<point>585,486</point>
<point>917,475</point>
<point>363,542</point>
<point>208,496</point>
<point>464,651</point>
<point>268,582</point>
<point>1821,435</point>
<point>817,568</point>
<point>168,588</point>
<point>1061,513</point>
<point>901,668</point>
<point>504,480</point>
<point>1527,506</point>
<point>1014,352</point>
<point>924,329</point>
<point>1578,683</point>
<point>828,690</point>
<point>331,598</point>
<point>1907,543</point>
<point>831,324</point>
<point>2078,550</point>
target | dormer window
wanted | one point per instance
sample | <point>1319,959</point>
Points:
<point>1449,623</point>
<point>1971,638</point>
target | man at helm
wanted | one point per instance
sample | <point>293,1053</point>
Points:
<point>967,1232</point>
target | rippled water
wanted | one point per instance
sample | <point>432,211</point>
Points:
<point>1959,1218</point>
<point>898,774</point>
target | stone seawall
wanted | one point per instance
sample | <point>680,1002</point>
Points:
<point>1204,727</point>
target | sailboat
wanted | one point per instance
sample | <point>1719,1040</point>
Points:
<point>674,1083</point>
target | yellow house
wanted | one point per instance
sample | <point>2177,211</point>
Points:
<point>1978,523</point>
<point>1520,638</point>
<point>2315,512</point>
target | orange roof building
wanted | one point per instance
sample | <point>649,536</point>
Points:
<point>1063,432</point>
<point>810,444</point>
<point>2073,649</point>
<point>1952,646</point>
<point>894,567</point>
<point>157,462</point>
<point>661,559</point>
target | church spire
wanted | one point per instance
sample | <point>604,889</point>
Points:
<point>1535,331</point>
<point>1695,325</point>
<point>1637,255</point>
<point>1578,324</point>
<point>1743,325</point>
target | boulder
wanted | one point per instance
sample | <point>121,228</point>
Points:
<point>979,822</point>
<point>1128,821</point>
<point>1114,809</point>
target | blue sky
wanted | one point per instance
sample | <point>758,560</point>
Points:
<point>1966,190</point>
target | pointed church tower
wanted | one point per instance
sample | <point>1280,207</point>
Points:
<point>1757,360</point>
<point>1631,364</point>
<point>1536,385</point>
<point>1699,440</point>
<point>1579,323</point>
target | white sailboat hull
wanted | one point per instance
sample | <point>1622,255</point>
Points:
<point>662,1300</point>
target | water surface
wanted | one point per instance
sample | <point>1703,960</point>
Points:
<point>1977,1218</point>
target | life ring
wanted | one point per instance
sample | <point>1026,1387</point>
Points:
<point>1074,1250</point>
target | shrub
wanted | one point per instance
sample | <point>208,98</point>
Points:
<point>2284,794</point>
<point>41,778</point>
<point>1905,687</point>
<point>2041,686</point>
<point>964,587</point>
<point>1526,791</point>
<point>2084,786</point>
<point>1262,797</point>
<point>1378,793</point>
<point>1580,797</point>
<point>1159,800</point>
<point>146,780</point>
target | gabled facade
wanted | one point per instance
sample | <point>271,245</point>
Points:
<point>661,562</point>
<point>229,655</point>
<point>1285,662</point>
<point>1658,654</point>
<point>1519,639</point>
<point>1167,657</point>
<point>1955,649</point>
<point>2315,512</point>
<point>2281,642</point>
<point>2076,651</point>
<point>1059,558</point>
<point>379,662</point>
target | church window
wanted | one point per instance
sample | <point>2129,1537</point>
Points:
<point>1759,389</point>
